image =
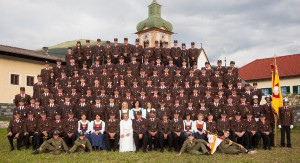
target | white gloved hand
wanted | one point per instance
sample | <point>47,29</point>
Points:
<point>291,126</point>
<point>279,126</point>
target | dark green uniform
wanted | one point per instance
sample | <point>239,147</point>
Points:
<point>224,147</point>
<point>55,146</point>
<point>193,147</point>
<point>77,147</point>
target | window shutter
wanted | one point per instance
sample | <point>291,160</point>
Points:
<point>295,89</point>
<point>288,89</point>
<point>270,91</point>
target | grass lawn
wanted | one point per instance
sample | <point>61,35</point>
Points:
<point>275,155</point>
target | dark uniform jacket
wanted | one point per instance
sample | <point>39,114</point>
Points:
<point>237,126</point>
<point>19,97</point>
<point>70,125</point>
<point>164,127</point>
<point>44,125</point>
<point>16,126</point>
<point>251,125</point>
<point>286,116</point>
<point>57,125</point>
<point>112,126</point>
<point>140,126</point>
<point>176,125</point>
<point>30,125</point>
<point>223,125</point>
<point>153,124</point>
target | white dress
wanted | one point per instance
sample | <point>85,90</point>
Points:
<point>127,142</point>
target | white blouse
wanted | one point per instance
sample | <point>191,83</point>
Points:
<point>92,123</point>
<point>197,122</point>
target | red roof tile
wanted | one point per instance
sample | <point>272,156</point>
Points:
<point>288,66</point>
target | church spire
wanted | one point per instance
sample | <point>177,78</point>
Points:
<point>154,9</point>
<point>154,19</point>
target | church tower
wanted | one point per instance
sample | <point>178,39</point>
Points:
<point>154,27</point>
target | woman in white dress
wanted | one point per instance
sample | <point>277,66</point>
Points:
<point>135,109</point>
<point>126,135</point>
<point>124,109</point>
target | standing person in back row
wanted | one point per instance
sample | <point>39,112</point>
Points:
<point>193,54</point>
<point>286,120</point>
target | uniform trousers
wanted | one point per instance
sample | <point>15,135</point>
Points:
<point>115,141</point>
<point>19,140</point>
<point>162,140</point>
<point>152,140</point>
<point>285,130</point>
<point>35,139</point>
<point>142,141</point>
<point>177,140</point>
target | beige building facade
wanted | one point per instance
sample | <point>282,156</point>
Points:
<point>19,68</point>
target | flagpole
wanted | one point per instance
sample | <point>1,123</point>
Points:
<point>275,116</point>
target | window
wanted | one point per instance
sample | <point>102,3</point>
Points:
<point>30,80</point>
<point>14,79</point>
<point>296,89</point>
<point>285,89</point>
<point>266,91</point>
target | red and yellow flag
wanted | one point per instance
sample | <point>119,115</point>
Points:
<point>214,141</point>
<point>276,89</point>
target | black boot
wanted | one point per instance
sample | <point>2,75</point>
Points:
<point>35,152</point>
<point>11,149</point>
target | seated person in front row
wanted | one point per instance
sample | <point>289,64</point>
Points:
<point>187,125</point>
<point>192,146</point>
<point>15,130</point>
<point>199,127</point>
<point>82,144</point>
<point>55,145</point>
<point>229,147</point>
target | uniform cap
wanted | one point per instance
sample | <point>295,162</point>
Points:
<point>81,133</point>
<point>56,133</point>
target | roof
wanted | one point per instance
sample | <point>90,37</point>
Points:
<point>154,19</point>
<point>288,66</point>
<point>28,54</point>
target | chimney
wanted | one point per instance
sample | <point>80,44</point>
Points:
<point>46,50</point>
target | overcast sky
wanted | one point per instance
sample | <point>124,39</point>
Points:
<point>241,30</point>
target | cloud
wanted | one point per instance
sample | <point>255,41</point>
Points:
<point>238,30</point>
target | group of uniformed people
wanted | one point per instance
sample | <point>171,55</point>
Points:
<point>169,99</point>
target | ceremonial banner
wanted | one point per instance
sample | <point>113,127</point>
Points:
<point>276,89</point>
<point>214,142</point>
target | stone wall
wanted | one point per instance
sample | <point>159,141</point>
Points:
<point>6,110</point>
<point>297,115</point>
